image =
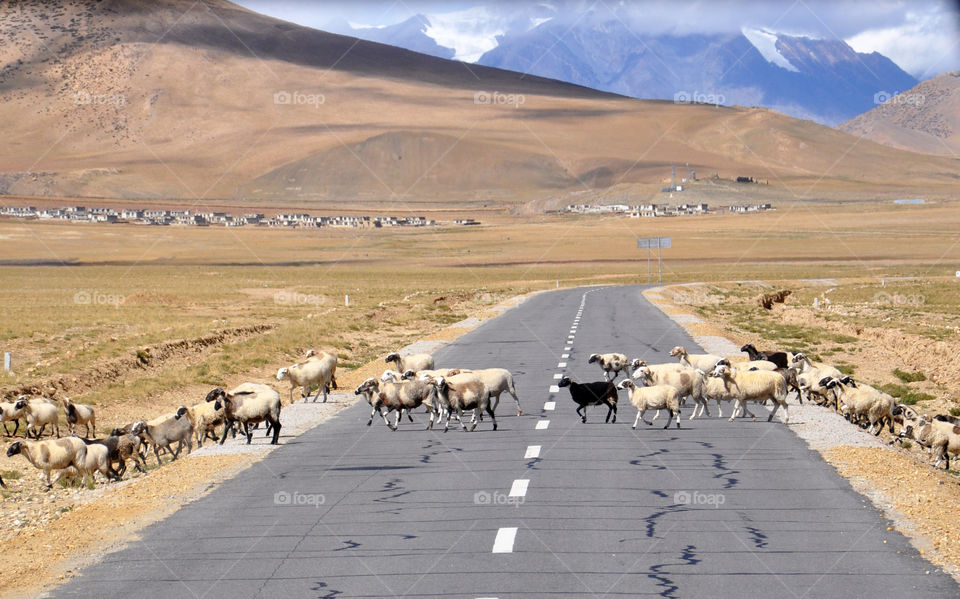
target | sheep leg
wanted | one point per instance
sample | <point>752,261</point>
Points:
<point>612,410</point>
<point>636,420</point>
<point>645,421</point>
<point>276,431</point>
<point>582,412</point>
<point>655,416</point>
<point>409,415</point>
<point>396,423</point>
<point>227,427</point>
<point>493,417</point>
<point>670,419</point>
<point>776,406</point>
<point>385,421</point>
<point>736,410</point>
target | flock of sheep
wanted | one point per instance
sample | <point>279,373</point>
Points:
<point>451,392</point>
<point>243,407</point>
<point>765,377</point>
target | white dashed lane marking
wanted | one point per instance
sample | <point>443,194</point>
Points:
<point>519,487</point>
<point>557,377</point>
<point>554,389</point>
<point>504,541</point>
<point>561,365</point>
<point>550,405</point>
<point>542,424</point>
<point>533,451</point>
<point>564,355</point>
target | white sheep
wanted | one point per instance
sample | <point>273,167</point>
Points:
<point>318,369</point>
<point>681,379</point>
<point>657,397</point>
<point>705,362</point>
<point>246,404</point>
<point>10,413</point>
<point>78,414</point>
<point>810,375</point>
<point>943,438</point>
<point>51,454</point>
<point>755,385</point>
<point>205,417</point>
<point>707,387</point>
<point>611,363</point>
<point>39,412</point>
<point>496,380</point>
<point>863,401</point>
<point>463,392</point>
<point>175,429</point>
<point>415,362</point>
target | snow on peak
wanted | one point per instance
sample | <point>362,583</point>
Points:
<point>766,43</point>
<point>471,32</point>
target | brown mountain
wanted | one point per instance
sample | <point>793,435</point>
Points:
<point>183,99</point>
<point>925,118</point>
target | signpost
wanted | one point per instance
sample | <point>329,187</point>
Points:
<point>649,243</point>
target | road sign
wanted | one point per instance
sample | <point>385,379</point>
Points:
<point>653,243</point>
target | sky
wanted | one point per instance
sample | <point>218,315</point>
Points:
<point>922,36</point>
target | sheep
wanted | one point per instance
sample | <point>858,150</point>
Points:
<point>97,459</point>
<point>175,429</point>
<point>463,392</point>
<point>862,401</point>
<point>705,388</point>
<point>755,385</point>
<point>249,403</point>
<point>318,369</point>
<point>682,380</point>
<point>496,380</point>
<point>659,397</point>
<point>592,394</point>
<point>809,376</point>
<point>781,359</point>
<point>413,362</point>
<point>123,446</point>
<point>9,413</point>
<point>80,414</point>
<point>399,396</point>
<point>51,454</point>
<point>705,362</point>
<point>205,417</point>
<point>943,438</point>
<point>611,363</point>
<point>39,412</point>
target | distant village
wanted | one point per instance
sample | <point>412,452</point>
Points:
<point>655,210</point>
<point>206,219</point>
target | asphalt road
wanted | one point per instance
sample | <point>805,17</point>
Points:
<point>714,509</point>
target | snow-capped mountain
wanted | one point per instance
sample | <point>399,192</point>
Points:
<point>818,79</point>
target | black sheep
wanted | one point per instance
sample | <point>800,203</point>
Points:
<point>592,394</point>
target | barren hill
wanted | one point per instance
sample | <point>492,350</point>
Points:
<point>925,118</point>
<point>183,99</point>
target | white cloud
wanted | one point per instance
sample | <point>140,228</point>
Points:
<point>925,45</point>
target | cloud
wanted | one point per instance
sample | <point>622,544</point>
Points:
<point>925,45</point>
